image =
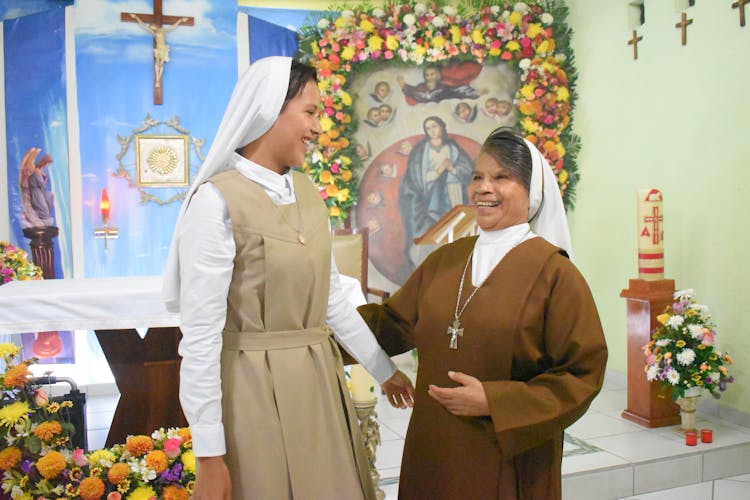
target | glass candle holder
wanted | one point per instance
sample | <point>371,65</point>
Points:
<point>691,438</point>
<point>707,435</point>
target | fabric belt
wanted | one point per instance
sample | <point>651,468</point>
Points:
<point>264,341</point>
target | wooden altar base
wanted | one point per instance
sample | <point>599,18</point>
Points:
<point>648,405</point>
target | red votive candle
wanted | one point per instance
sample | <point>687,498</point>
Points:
<point>691,438</point>
<point>707,435</point>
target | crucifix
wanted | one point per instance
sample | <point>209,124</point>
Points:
<point>158,25</point>
<point>684,23</point>
<point>740,4</point>
<point>634,42</point>
<point>455,331</point>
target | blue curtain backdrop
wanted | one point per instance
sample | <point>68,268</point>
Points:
<point>268,39</point>
<point>35,108</point>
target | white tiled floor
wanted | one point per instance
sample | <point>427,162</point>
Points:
<point>631,463</point>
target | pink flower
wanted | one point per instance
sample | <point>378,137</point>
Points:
<point>41,398</point>
<point>115,495</point>
<point>172,447</point>
<point>79,458</point>
<point>708,338</point>
<point>651,359</point>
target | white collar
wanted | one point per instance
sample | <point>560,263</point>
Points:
<point>278,186</point>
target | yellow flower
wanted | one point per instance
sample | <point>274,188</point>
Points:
<point>563,176</point>
<point>51,464</point>
<point>8,349</point>
<point>477,37</point>
<point>326,177</point>
<point>334,211</point>
<point>528,124</point>
<point>139,445</point>
<point>391,42</point>
<point>10,457</point>
<point>534,30</point>
<point>438,42</point>
<point>723,370</point>
<point>326,123</point>
<point>346,175</point>
<point>562,94</point>
<point>515,18</point>
<point>420,50</point>
<point>528,90</point>
<point>345,160</point>
<point>102,457</point>
<point>680,343</point>
<point>340,22</point>
<point>375,42</point>
<point>157,460</point>
<point>14,413</point>
<point>323,85</point>
<point>342,195</point>
<point>332,190</point>
<point>347,53</point>
<point>494,51</point>
<point>16,376</point>
<point>663,318</point>
<point>367,26</point>
<point>118,473</point>
<point>542,47</point>
<point>47,430</point>
<point>513,46</point>
<point>346,99</point>
<point>455,32</point>
<point>142,493</point>
<point>53,407</point>
<point>188,461</point>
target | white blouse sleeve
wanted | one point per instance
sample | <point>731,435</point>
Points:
<point>207,253</point>
<point>353,333</point>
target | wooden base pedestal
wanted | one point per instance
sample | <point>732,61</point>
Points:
<point>647,404</point>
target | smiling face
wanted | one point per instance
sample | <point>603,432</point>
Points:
<point>500,199</point>
<point>297,125</point>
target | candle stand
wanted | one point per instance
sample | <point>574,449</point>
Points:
<point>370,429</point>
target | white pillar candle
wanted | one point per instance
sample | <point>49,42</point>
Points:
<point>650,235</point>
<point>362,384</point>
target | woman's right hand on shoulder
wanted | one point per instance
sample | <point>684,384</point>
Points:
<point>212,480</point>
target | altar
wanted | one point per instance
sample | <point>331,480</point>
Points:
<point>145,367</point>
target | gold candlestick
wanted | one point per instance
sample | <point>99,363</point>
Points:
<point>370,429</point>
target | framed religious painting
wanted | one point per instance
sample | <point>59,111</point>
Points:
<point>162,160</point>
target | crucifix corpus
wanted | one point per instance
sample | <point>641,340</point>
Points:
<point>740,4</point>
<point>634,42</point>
<point>158,25</point>
<point>683,24</point>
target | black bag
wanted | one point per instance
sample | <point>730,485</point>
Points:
<point>75,415</point>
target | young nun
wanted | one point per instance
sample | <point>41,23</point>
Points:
<point>511,349</point>
<point>251,273</point>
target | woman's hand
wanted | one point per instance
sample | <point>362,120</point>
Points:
<point>212,480</point>
<point>468,400</point>
<point>399,390</point>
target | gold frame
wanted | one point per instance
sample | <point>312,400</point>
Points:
<point>162,160</point>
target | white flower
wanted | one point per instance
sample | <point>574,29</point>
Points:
<point>449,11</point>
<point>524,64</point>
<point>158,435</point>
<point>420,9</point>
<point>675,321</point>
<point>696,331</point>
<point>546,18</point>
<point>714,376</point>
<point>378,12</point>
<point>686,356</point>
<point>409,19</point>
<point>347,14</point>
<point>663,342</point>
<point>686,294</point>
<point>16,492</point>
<point>652,372</point>
<point>438,22</point>
<point>521,8</point>
<point>323,23</point>
<point>700,308</point>
<point>673,377</point>
<point>495,9</point>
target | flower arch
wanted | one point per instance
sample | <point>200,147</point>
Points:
<point>532,37</point>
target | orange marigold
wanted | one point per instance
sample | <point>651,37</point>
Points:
<point>16,376</point>
<point>118,473</point>
<point>157,460</point>
<point>10,457</point>
<point>173,492</point>
<point>47,430</point>
<point>184,433</point>
<point>139,445</point>
<point>51,464</point>
<point>91,488</point>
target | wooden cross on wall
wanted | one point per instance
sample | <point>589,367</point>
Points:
<point>684,23</point>
<point>740,4</point>
<point>158,25</point>
<point>634,42</point>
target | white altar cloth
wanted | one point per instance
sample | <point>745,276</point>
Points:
<point>98,304</point>
<point>83,304</point>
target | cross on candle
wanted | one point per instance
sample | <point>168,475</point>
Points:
<point>740,5</point>
<point>634,42</point>
<point>655,219</point>
<point>684,23</point>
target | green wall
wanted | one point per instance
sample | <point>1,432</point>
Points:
<point>675,119</point>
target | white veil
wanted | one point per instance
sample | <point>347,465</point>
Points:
<point>546,209</point>
<point>252,110</point>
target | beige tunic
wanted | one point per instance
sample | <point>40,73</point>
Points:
<point>532,335</point>
<point>290,425</point>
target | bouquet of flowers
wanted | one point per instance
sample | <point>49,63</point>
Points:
<point>682,354</point>
<point>37,460</point>
<point>15,265</point>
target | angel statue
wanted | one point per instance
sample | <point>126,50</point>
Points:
<point>36,198</point>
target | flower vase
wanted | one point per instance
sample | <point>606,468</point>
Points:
<point>688,403</point>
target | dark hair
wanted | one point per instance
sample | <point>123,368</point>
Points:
<point>507,147</point>
<point>299,75</point>
<point>439,121</point>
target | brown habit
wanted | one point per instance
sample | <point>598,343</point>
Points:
<point>532,335</point>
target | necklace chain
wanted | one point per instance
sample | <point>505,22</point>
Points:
<point>300,224</point>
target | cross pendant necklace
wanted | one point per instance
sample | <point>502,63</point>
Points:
<point>456,330</point>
